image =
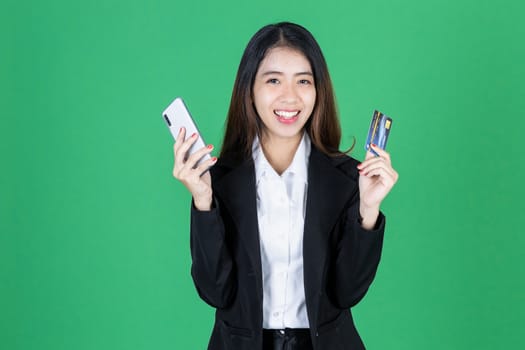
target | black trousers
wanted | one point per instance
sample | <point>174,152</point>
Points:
<point>287,339</point>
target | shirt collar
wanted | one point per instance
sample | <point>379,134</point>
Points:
<point>298,167</point>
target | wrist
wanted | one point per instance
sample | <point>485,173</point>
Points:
<point>368,217</point>
<point>202,204</point>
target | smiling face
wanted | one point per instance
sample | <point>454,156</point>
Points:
<point>284,94</point>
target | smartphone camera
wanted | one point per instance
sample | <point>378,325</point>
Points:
<point>167,119</point>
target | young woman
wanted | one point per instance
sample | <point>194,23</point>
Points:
<point>286,231</point>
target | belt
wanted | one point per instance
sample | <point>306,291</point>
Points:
<point>287,339</point>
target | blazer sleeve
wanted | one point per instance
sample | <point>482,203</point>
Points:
<point>357,259</point>
<point>212,267</point>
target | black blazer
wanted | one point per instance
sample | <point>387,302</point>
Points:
<point>340,258</point>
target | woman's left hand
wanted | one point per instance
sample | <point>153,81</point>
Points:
<point>377,177</point>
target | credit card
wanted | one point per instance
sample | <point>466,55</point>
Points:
<point>379,131</point>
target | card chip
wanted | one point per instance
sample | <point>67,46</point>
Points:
<point>387,124</point>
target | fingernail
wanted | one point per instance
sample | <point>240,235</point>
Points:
<point>214,159</point>
<point>194,134</point>
<point>210,146</point>
<point>359,165</point>
<point>374,145</point>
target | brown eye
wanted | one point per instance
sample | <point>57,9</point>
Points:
<point>272,81</point>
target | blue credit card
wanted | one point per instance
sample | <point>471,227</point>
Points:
<point>379,131</point>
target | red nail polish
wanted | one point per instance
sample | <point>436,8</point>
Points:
<point>194,134</point>
<point>214,159</point>
<point>374,145</point>
<point>210,146</point>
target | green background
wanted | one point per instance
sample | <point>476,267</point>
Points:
<point>94,244</point>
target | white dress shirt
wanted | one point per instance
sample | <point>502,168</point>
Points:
<point>281,205</point>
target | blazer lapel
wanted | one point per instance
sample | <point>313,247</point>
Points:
<point>237,190</point>
<point>328,192</point>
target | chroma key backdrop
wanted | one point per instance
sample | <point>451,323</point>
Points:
<point>94,230</point>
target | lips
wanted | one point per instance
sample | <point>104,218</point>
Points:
<point>287,116</point>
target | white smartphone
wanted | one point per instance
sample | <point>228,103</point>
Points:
<point>177,116</point>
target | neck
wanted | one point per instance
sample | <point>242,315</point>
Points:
<point>280,152</point>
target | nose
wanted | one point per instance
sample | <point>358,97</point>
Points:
<point>289,93</point>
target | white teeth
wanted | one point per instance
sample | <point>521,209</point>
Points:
<point>286,114</point>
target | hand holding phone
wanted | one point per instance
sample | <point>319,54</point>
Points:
<point>192,157</point>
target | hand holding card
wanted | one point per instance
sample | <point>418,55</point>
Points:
<point>377,176</point>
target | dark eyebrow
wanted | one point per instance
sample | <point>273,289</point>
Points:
<point>271,72</point>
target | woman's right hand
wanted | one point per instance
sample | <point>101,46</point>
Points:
<point>196,179</point>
